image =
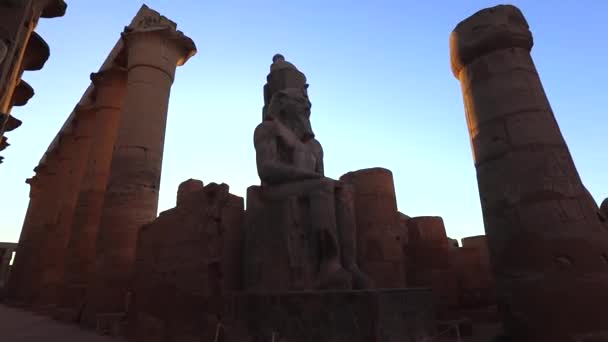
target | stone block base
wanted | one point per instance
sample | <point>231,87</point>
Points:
<point>593,337</point>
<point>457,328</point>
<point>376,315</point>
<point>112,324</point>
<point>404,315</point>
<point>67,315</point>
<point>46,310</point>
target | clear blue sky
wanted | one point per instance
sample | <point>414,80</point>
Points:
<point>380,84</point>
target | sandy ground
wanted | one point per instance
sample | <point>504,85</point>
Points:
<point>22,326</point>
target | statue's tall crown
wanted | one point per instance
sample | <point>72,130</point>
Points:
<point>283,75</point>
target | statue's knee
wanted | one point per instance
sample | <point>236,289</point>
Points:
<point>326,185</point>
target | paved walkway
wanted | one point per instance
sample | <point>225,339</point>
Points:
<point>22,326</point>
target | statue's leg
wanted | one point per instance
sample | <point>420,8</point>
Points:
<point>347,233</point>
<point>323,221</point>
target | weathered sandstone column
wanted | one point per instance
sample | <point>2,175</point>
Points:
<point>549,251</point>
<point>379,233</point>
<point>131,197</point>
<point>109,97</point>
<point>29,233</point>
<point>58,235</point>
<point>186,188</point>
<point>57,165</point>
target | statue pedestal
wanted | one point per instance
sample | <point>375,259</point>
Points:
<point>404,315</point>
<point>368,315</point>
<point>295,237</point>
<point>279,244</point>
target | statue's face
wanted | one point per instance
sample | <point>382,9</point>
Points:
<point>292,108</point>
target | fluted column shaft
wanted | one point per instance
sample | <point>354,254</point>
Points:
<point>109,97</point>
<point>131,198</point>
<point>43,221</point>
<point>58,235</point>
<point>549,251</point>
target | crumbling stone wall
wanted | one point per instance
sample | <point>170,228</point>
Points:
<point>428,254</point>
<point>187,259</point>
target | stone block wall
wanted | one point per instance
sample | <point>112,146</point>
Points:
<point>459,276</point>
<point>186,260</point>
<point>428,254</point>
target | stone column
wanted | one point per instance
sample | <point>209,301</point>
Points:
<point>549,251</point>
<point>109,97</point>
<point>5,259</point>
<point>131,197</point>
<point>58,171</point>
<point>379,233</point>
<point>187,188</point>
<point>79,143</point>
<point>25,249</point>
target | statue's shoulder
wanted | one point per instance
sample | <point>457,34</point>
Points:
<point>264,131</point>
<point>316,146</point>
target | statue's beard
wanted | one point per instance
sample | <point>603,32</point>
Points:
<point>298,124</point>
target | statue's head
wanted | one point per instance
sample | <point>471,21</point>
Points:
<point>291,107</point>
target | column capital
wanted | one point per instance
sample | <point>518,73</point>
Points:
<point>42,168</point>
<point>51,8</point>
<point>84,110</point>
<point>109,76</point>
<point>495,28</point>
<point>36,53</point>
<point>22,94</point>
<point>48,166</point>
<point>37,184</point>
<point>13,123</point>
<point>110,85</point>
<point>160,47</point>
<point>4,143</point>
<point>65,146</point>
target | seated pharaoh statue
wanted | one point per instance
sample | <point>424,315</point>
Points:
<point>300,225</point>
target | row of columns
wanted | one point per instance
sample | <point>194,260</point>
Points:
<point>101,183</point>
<point>109,96</point>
